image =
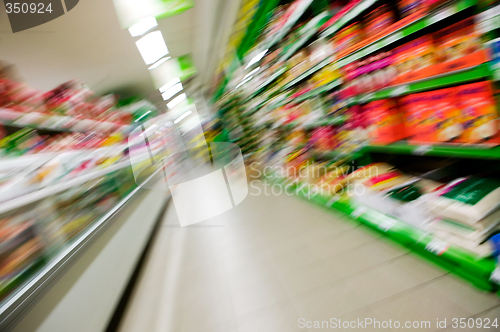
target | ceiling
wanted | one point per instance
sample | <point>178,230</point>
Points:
<point>87,43</point>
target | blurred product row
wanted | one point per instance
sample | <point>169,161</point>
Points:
<point>58,180</point>
<point>388,112</point>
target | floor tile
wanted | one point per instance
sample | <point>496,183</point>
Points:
<point>464,294</point>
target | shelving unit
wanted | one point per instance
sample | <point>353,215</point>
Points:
<point>435,82</point>
<point>55,122</point>
<point>307,73</point>
<point>456,259</point>
<point>349,16</point>
<point>309,30</point>
<point>292,19</point>
<point>317,91</point>
<point>407,30</point>
<point>451,151</point>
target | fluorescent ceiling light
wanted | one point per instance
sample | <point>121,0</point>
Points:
<point>252,72</point>
<point>257,58</point>
<point>142,116</point>
<point>152,47</point>
<point>172,91</point>
<point>143,26</point>
<point>179,119</point>
<point>170,84</point>
<point>159,62</point>
<point>176,100</point>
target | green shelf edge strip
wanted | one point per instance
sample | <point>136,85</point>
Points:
<point>436,150</point>
<point>421,150</point>
<point>407,30</point>
<point>310,30</point>
<point>317,91</point>
<point>434,82</point>
<point>288,25</point>
<point>307,73</point>
<point>457,260</point>
<point>271,79</point>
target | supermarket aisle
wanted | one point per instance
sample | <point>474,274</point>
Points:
<point>276,259</point>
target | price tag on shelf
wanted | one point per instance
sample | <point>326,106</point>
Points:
<point>386,224</point>
<point>366,98</point>
<point>399,90</point>
<point>487,14</point>
<point>392,38</point>
<point>422,150</point>
<point>485,26</point>
<point>442,14</point>
<point>358,212</point>
<point>495,275</point>
<point>372,48</point>
<point>332,200</point>
<point>437,247</point>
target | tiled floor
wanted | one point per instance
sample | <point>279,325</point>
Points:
<point>274,260</point>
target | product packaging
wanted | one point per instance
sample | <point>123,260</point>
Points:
<point>408,7</point>
<point>378,20</point>
<point>459,46</point>
<point>419,118</point>
<point>415,60</point>
<point>479,113</point>
<point>468,201</point>
<point>449,124</point>
<point>386,122</point>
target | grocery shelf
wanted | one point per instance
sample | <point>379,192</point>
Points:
<point>462,262</point>
<point>319,90</point>
<point>434,82</point>
<point>42,121</point>
<point>32,197</point>
<point>488,20</point>
<point>268,81</point>
<point>8,162</point>
<point>292,19</point>
<point>407,30</point>
<point>21,300</point>
<point>350,15</point>
<point>307,73</point>
<point>452,151</point>
<point>336,154</point>
<point>52,189</point>
<point>310,29</point>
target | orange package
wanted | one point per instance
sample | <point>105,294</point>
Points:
<point>479,113</point>
<point>386,122</point>
<point>414,60</point>
<point>459,46</point>
<point>448,118</point>
<point>419,118</point>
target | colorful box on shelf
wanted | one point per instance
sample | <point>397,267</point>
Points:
<point>402,29</point>
<point>384,33</point>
